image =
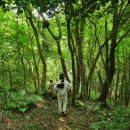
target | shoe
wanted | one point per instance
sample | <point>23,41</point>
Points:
<point>64,114</point>
<point>61,114</point>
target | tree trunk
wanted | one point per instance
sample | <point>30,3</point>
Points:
<point>117,80</point>
<point>32,75</point>
<point>109,74</point>
<point>123,81</point>
<point>72,58</point>
<point>100,78</point>
<point>128,85</point>
<point>24,73</point>
<point>118,12</point>
<point>62,60</point>
<point>43,85</point>
<point>127,80</point>
<point>110,70</point>
<point>77,66</point>
<point>36,66</point>
<point>78,77</point>
<point>43,80</point>
<point>79,43</point>
<point>58,39</point>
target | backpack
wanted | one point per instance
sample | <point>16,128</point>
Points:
<point>61,85</point>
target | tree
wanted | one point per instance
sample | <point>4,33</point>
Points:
<point>118,14</point>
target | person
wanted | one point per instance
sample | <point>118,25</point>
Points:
<point>51,89</point>
<point>51,85</point>
<point>62,87</point>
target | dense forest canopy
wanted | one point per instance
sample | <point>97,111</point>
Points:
<point>87,40</point>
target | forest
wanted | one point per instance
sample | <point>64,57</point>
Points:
<point>88,41</point>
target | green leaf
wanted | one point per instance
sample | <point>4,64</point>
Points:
<point>23,110</point>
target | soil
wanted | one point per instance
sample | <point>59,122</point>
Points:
<point>45,117</point>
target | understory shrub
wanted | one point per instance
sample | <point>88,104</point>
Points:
<point>21,101</point>
<point>49,95</point>
<point>118,119</point>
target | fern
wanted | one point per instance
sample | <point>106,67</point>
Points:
<point>21,101</point>
<point>119,120</point>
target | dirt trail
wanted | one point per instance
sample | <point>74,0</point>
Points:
<point>45,117</point>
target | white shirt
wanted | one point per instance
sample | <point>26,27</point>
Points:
<point>62,91</point>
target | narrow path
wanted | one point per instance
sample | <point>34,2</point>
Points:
<point>45,117</point>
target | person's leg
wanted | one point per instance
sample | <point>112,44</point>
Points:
<point>65,101</point>
<point>59,99</point>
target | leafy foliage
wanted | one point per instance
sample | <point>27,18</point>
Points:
<point>21,101</point>
<point>21,67</point>
<point>119,119</point>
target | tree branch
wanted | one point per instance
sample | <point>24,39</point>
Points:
<point>95,27</point>
<point>122,37</point>
<point>50,31</point>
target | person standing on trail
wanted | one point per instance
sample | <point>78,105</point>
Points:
<point>51,89</point>
<point>51,85</point>
<point>62,87</point>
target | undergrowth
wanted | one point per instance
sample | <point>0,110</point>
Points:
<point>117,119</point>
<point>19,101</point>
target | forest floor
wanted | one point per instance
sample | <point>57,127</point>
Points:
<point>45,117</point>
